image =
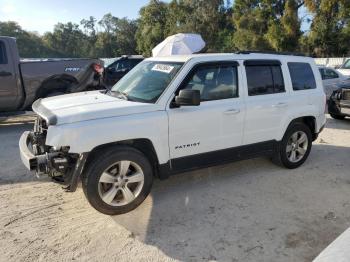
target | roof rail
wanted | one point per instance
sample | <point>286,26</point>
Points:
<point>269,52</point>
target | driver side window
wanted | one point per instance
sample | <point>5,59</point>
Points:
<point>214,82</point>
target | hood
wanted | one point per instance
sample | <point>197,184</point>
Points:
<point>345,72</point>
<point>84,106</point>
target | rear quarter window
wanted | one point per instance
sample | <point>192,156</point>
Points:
<point>302,76</point>
<point>3,58</point>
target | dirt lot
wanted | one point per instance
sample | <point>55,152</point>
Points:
<point>245,211</point>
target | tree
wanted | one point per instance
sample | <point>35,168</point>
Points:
<point>251,19</point>
<point>267,24</point>
<point>151,30</point>
<point>284,33</point>
<point>117,37</point>
<point>68,39</point>
<point>210,19</point>
<point>30,45</point>
<point>125,35</point>
<point>89,26</point>
<point>329,34</point>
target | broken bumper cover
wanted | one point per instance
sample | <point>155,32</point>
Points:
<point>42,164</point>
<point>27,156</point>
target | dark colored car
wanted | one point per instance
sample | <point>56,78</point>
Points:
<point>339,103</point>
<point>24,81</point>
<point>119,68</point>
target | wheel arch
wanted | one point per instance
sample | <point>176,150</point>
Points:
<point>54,83</point>
<point>144,145</point>
<point>309,121</point>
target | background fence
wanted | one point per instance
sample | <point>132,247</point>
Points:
<point>331,61</point>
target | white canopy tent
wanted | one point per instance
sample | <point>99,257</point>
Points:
<point>179,44</point>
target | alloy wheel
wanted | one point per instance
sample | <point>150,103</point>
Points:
<point>121,183</point>
<point>297,146</point>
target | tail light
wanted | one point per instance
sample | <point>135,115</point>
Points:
<point>98,68</point>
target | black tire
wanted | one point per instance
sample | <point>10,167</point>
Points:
<point>100,163</point>
<point>338,117</point>
<point>57,93</point>
<point>281,156</point>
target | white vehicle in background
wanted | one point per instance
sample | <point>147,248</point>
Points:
<point>174,114</point>
<point>345,68</point>
<point>332,79</point>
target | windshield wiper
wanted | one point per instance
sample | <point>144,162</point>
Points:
<point>121,95</point>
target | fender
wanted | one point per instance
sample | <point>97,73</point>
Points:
<point>84,136</point>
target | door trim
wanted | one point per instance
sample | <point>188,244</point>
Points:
<point>222,156</point>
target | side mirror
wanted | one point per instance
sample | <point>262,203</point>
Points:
<point>188,97</point>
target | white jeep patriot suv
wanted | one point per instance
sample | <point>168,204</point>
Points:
<point>173,114</point>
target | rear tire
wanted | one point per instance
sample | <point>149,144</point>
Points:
<point>295,146</point>
<point>338,117</point>
<point>118,180</point>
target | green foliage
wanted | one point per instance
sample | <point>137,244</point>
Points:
<point>284,31</point>
<point>225,27</point>
<point>30,45</point>
<point>151,30</point>
<point>329,34</point>
<point>68,39</point>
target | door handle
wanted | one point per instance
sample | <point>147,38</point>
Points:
<point>279,105</point>
<point>232,111</point>
<point>4,73</point>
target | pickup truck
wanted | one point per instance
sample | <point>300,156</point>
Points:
<point>339,103</point>
<point>174,114</point>
<point>345,68</point>
<point>24,81</point>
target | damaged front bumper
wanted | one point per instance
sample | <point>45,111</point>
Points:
<point>62,167</point>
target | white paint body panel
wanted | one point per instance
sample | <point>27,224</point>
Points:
<point>91,119</point>
<point>337,251</point>
<point>345,72</point>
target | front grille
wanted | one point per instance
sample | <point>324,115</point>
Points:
<point>346,94</point>
<point>39,136</point>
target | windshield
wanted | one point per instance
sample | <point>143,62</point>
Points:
<point>346,64</point>
<point>147,81</point>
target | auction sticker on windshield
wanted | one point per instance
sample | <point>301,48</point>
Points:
<point>162,68</point>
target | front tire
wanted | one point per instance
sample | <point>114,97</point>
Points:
<point>118,180</point>
<point>295,146</point>
<point>338,117</point>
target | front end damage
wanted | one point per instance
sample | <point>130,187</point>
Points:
<point>339,102</point>
<point>57,163</point>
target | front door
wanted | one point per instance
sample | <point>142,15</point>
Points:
<point>8,84</point>
<point>197,133</point>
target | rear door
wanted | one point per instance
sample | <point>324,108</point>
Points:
<point>267,101</point>
<point>8,80</point>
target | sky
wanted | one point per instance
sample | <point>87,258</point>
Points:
<point>41,15</point>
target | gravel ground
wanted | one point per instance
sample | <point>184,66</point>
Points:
<point>245,211</point>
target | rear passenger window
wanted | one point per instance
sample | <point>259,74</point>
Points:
<point>3,59</point>
<point>264,79</point>
<point>302,76</point>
